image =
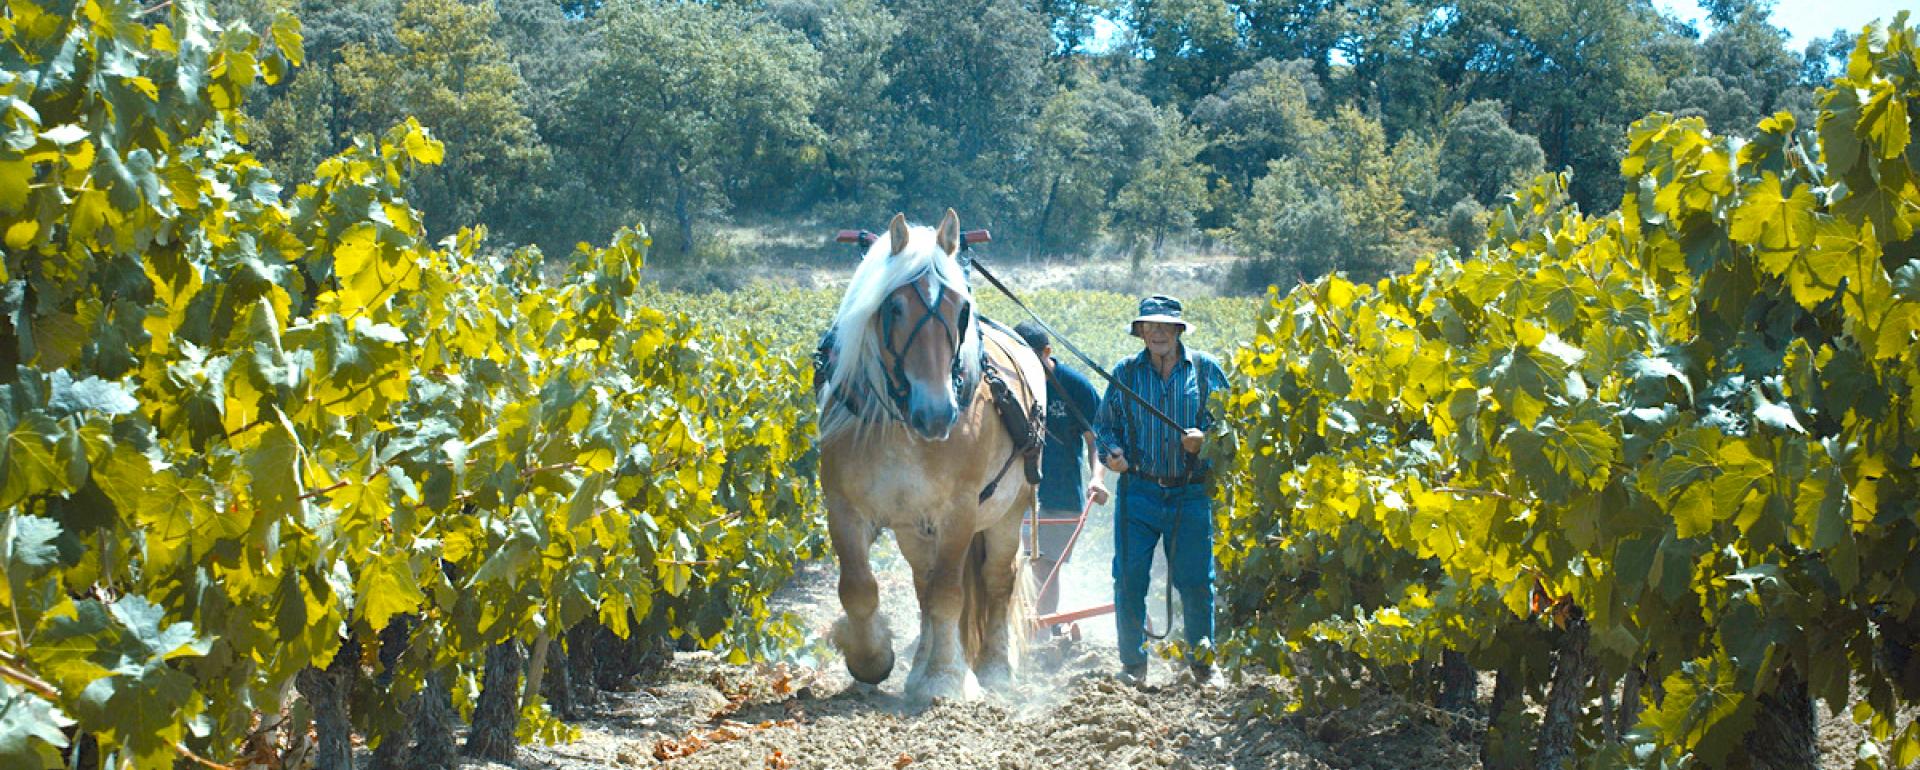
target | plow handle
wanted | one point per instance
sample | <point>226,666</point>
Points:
<point>865,238</point>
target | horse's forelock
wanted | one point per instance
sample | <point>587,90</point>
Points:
<point>857,344</point>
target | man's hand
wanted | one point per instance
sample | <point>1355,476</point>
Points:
<point>1116,461</point>
<point>1097,491</point>
<point>1190,441</point>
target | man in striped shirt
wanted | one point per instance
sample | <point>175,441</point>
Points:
<point>1163,485</point>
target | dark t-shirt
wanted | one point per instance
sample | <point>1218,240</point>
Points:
<point>1061,488</point>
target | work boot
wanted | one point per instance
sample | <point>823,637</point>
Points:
<point>1134,674</point>
<point>1204,677</point>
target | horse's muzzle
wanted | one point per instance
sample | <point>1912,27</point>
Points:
<point>933,422</point>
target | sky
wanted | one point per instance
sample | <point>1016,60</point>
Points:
<point>1806,20</point>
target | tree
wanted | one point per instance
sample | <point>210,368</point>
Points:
<point>1263,112</point>
<point>1292,230</point>
<point>553,49</point>
<point>1750,55</point>
<point>687,98</point>
<point>307,117</point>
<point>1089,136</point>
<point>1825,59</point>
<point>1416,171</point>
<point>1704,96</point>
<point>1397,50</point>
<point>1354,166</point>
<point>1190,46</point>
<point>1481,157</point>
<point>1725,12</point>
<point>300,128</point>
<point>969,79</point>
<point>447,70</point>
<point>1167,189</point>
<point>1572,72</point>
<point>1466,226</point>
<point>1285,30</point>
<point>853,38</point>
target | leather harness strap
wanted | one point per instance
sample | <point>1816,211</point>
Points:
<point>1023,419</point>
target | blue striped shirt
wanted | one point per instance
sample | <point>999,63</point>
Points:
<point>1152,446</point>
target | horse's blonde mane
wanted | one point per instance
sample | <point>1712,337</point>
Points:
<point>858,370</point>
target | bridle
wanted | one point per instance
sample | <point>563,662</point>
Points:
<point>1023,419</point>
<point>899,387</point>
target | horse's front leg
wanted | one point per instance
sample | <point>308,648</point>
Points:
<point>940,665</point>
<point>861,634</point>
<point>1008,601</point>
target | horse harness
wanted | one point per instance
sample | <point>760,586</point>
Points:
<point>1024,422</point>
<point>898,388</point>
<point>1027,426</point>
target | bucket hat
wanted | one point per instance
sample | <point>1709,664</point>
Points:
<point>1159,308</point>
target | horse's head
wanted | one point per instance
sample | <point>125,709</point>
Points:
<point>907,325</point>
<point>923,323</point>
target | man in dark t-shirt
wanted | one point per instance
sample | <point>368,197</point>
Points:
<point>1072,402</point>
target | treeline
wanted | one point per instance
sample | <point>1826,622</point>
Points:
<point>1314,136</point>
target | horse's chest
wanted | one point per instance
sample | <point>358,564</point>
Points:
<point>908,485</point>
<point>904,490</point>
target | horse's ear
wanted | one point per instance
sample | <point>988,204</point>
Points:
<point>897,233</point>
<point>949,234</point>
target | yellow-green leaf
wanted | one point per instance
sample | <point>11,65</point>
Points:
<point>387,587</point>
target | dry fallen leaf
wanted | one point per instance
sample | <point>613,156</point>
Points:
<point>674,748</point>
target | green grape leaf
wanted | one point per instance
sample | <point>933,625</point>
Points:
<point>273,469</point>
<point>154,637</point>
<point>1906,281</point>
<point>68,397</point>
<point>387,587</point>
<point>1703,707</point>
<point>65,135</point>
<point>1773,414</point>
<point>1883,119</point>
<point>16,179</point>
<point>181,518</point>
<point>30,729</point>
<point>1771,219</point>
<point>28,543</point>
<point>32,463</point>
<point>1694,511</point>
<point>1839,145</point>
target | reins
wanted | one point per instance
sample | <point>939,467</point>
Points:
<point>1075,349</point>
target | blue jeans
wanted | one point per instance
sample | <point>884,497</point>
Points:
<point>1180,520</point>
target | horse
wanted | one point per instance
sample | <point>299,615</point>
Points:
<point>910,441</point>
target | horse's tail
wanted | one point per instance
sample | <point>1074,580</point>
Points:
<point>976,604</point>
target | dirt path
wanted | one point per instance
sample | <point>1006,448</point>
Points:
<point>1067,712</point>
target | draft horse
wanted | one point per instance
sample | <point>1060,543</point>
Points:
<point>911,440</point>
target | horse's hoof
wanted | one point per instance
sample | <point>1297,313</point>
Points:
<point>868,647</point>
<point>871,674</point>
<point>947,685</point>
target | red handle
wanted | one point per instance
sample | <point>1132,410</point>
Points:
<point>865,238</point>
